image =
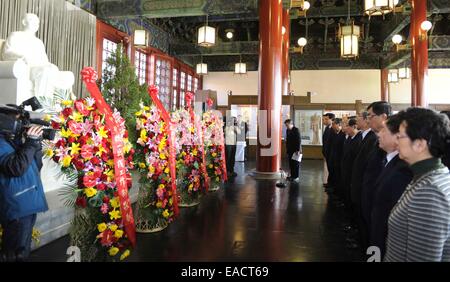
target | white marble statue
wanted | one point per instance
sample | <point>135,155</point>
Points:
<point>26,46</point>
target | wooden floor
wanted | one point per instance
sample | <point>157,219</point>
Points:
<point>247,220</point>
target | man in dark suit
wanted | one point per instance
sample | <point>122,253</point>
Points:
<point>335,156</point>
<point>293,145</point>
<point>359,167</point>
<point>390,185</point>
<point>351,147</point>
<point>327,121</point>
<point>379,112</point>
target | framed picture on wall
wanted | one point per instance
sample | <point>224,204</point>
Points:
<point>309,122</point>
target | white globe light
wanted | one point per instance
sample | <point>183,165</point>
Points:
<point>426,25</point>
<point>302,42</point>
<point>397,39</point>
<point>229,35</point>
<point>306,5</point>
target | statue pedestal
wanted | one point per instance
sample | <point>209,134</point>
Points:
<point>15,84</point>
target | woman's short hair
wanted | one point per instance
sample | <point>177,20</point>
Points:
<point>430,126</point>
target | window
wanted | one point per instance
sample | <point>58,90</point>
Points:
<point>189,83</point>
<point>109,48</point>
<point>175,90</point>
<point>140,62</point>
<point>195,84</point>
<point>163,71</point>
<point>182,89</point>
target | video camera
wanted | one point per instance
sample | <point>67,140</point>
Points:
<point>14,120</point>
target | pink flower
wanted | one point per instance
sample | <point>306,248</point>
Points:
<point>75,127</point>
<point>104,208</point>
<point>87,152</point>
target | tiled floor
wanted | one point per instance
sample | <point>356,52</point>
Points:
<point>246,220</point>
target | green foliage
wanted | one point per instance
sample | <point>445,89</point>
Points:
<point>122,90</point>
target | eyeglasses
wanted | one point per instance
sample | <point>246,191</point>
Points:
<point>401,136</point>
<point>371,116</point>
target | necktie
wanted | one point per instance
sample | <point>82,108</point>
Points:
<point>385,161</point>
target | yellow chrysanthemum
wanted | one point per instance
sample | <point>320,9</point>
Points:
<point>143,135</point>
<point>115,214</point>
<point>66,161</point>
<point>162,156</point>
<point>159,204</point>
<point>113,227</point>
<point>66,103</point>
<point>114,203</point>
<point>152,169</point>
<point>190,187</point>
<point>101,227</point>
<point>102,132</point>
<point>125,255</point>
<point>90,192</point>
<point>75,148</point>
<point>110,163</point>
<point>166,213</point>
<point>49,153</point>
<point>101,150</point>
<point>65,133</point>
<point>113,251</point>
<point>210,166</point>
<point>194,153</point>
<point>118,233</point>
<point>167,170</point>
<point>142,165</point>
<point>213,155</point>
<point>138,114</point>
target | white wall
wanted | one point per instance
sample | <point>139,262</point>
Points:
<point>332,86</point>
<point>438,86</point>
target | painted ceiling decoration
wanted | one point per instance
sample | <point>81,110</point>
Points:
<point>176,23</point>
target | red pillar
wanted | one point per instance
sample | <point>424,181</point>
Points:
<point>419,55</point>
<point>286,38</point>
<point>384,85</point>
<point>270,86</point>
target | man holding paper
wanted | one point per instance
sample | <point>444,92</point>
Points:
<point>293,149</point>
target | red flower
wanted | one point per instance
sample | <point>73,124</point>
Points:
<point>95,161</point>
<point>81,107</point>
<point>67,112</point>
<point>125,135</point>
<point>105,199</point>
<point>60,143</point>
<point>107,237</point>
<point>71,139</point>
<point>56,159</point>
<point>101,186</point>
<point>87,152</point>
<point>56,125</point>
<point>81,202</point>
<point>79,165</point>
<point>105,157</point>
<point>89,181</point>
<point>104,177</point>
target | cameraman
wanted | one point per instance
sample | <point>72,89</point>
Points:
<point>21,192</point>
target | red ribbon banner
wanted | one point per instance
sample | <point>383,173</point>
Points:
<point>198,128</point>
<point>153,91</point>
<point>89,76</point>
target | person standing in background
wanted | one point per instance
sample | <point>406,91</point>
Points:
<point>231,133</point>
<point>293,146</point>
<point>327,122</point>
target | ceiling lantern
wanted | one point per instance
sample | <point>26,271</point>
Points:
<point>240,68</point>
<point>202,69</point>
<point>404,73</point>
<point>393,76</point>
<point>349,37</point>
<point>206,35</point>
<point>379,7</point>
<point>140,38</point>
